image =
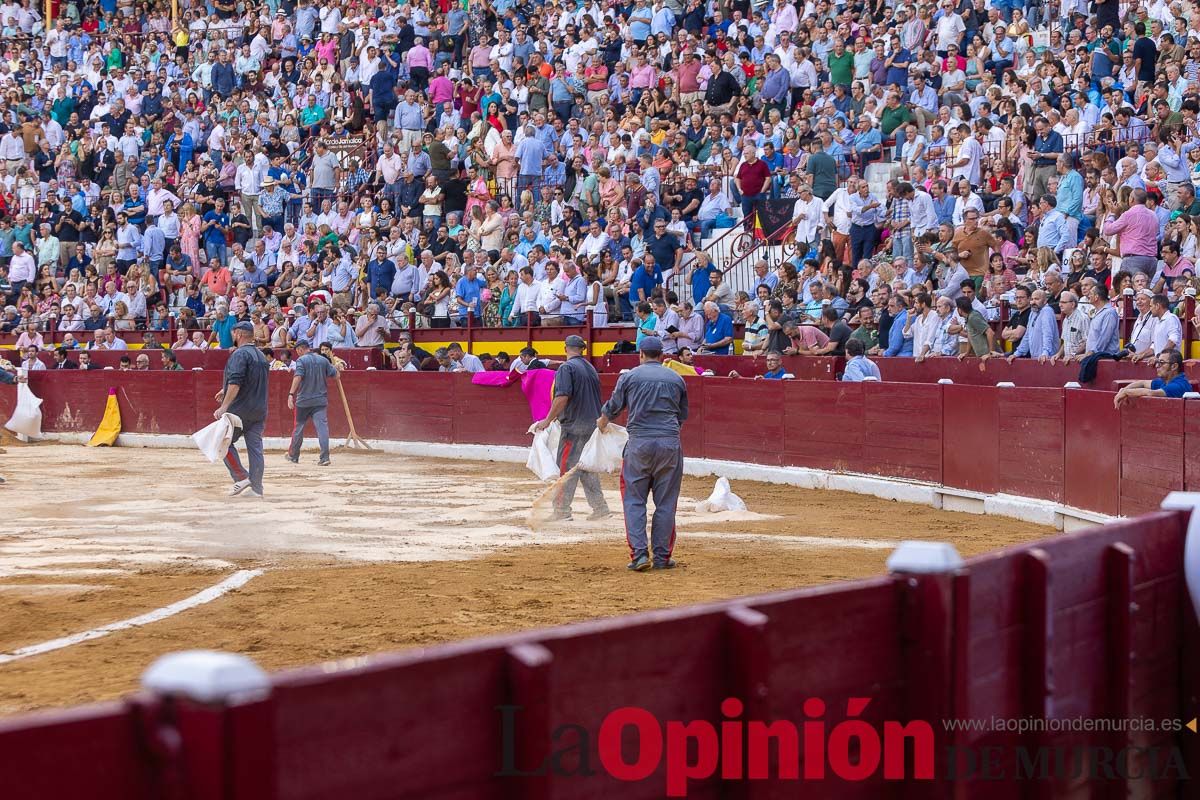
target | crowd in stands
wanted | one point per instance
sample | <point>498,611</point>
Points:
<point>337,170</point>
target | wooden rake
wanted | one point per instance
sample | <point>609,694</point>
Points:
<point>353,441</point>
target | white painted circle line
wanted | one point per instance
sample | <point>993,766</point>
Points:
<point>234,581</point>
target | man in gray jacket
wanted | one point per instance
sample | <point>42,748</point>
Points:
<point>656,398</point>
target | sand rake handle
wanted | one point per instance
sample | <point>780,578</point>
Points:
<point>353,440</point>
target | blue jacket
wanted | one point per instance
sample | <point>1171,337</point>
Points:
<point>897,344</point>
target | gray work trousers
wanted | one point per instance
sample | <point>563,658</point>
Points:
<point>320,422</point>
<point>252,432</point>
<point>651,465</point>
<point>570,446</point>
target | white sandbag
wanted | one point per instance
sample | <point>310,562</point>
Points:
<point>213,440</point>
<point>722,499</point>
<point>604,451</point>
<point>543,452</point>
<point>26,420</point>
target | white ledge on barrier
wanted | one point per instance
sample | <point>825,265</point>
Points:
<point>1006,385</point>
<point>1189,501</point>
<point>1072,385</point>
<point>924,558</point>
<point>207,676</point>
<point>945,381</point>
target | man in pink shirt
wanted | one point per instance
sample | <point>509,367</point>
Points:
<point>441,88</point>
<point>420,62</point>
<point>1138,228</point>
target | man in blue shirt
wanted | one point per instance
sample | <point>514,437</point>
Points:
<point>1053,231</point>
<point>381,271</point>
<point>469,293</point>
<point>1070,196</point>
<point>859,367</point>
<point>718,331</point>
<point>1048,146</point>
<point>1103,338</point>
<point>1041,335</point>
<point>222,328</point>
<point>898,344</point>
<point>775,370</point>
<point>1171,382</point>
<point>641,285</point>
<point>699,277</point>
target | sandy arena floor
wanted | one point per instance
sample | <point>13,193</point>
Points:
<point>377,552</point>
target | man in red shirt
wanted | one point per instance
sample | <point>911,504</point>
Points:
<point>751,181</point>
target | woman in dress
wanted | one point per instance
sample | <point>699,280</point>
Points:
<point>596,302</point>
<point>437,300</point>
<point>189,235</point>
<point>508,296</point>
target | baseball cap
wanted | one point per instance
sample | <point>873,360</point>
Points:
<point>244,326</point>
<point>652,343</point>
<point>303,343</point>
<point>575,341</point>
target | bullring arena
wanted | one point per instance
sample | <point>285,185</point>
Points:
<point>362,589</point>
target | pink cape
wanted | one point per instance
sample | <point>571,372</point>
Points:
<point>537,384</point>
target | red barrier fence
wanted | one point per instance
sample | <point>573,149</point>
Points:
<point>1066,445</point>
<point>1092,625</point>
<point>1044,631</point>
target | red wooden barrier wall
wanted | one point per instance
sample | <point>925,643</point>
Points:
<point>1071,446</point>
<point>1046,630</point>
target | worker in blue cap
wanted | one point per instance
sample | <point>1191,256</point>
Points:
<point>244,393</point>
<point>656,398</point>
<point>576,404</point>
<point>309,398</point>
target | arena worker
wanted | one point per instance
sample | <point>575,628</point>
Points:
<point>576,405</point>
<point>244,393</point>
<point>309,398</point>
<point>656,399</point>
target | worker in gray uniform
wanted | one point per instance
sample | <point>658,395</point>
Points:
<point>656,398</point>
<point>309,398</point>
<point>576,404</point>
<point>244,393</point>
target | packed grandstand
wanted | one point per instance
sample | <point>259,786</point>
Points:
<point>932,180</point>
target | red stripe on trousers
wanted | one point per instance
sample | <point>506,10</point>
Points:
<point>233,464</point>
<point>628,541</point>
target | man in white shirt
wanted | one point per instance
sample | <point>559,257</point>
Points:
<point>970,154</point>
<point>22,269</point>
<point>12,151</point>
<point>837,214</point>
<point>595,242</point>
<point>549,303</point>
<point>247,182</point>
<point>924,218</point>
<point>922,326</point>
<point>1168,332</point>
<point>529,293</point>
<point>965,199</point>
<point>808,214</point>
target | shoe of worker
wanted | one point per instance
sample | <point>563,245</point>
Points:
<point>562,516</point>
<point>1,480</point>
<point>253,495</point>
<point>668,564</point>
<point>239,487</point>
<point>640,564</point>
<point>603,514</point>
<point>291,458</point>
<point>324,462</point>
